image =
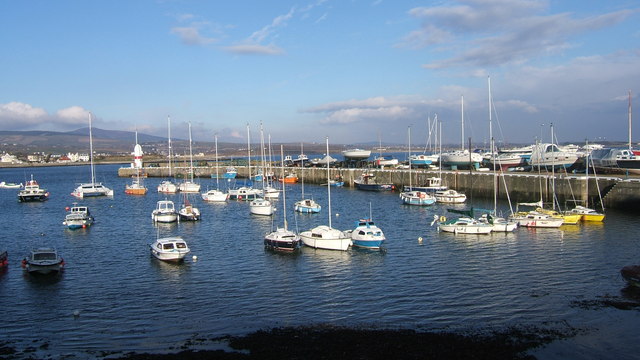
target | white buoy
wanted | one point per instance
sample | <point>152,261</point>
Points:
<point>337,214</point>
<point>420,240</point>
<point>76,313</point>
<point>195,258</point>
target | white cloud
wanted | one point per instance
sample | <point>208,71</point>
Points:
<point>21,116</point>
<point>191,36</point>
<point>497,32</point>
<point>254,49</point>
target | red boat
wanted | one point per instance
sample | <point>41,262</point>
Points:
<point>631,274</point>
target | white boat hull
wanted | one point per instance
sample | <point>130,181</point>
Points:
<point>167,187</point>
<point>324,237</point>
<point>261,207</point>
<point>215,196</point>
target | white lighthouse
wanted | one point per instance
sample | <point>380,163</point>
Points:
<point>137,155</point>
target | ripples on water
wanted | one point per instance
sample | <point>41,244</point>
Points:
<point>128,301</point>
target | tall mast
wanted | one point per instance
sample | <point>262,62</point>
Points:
<point>249,151</point>
<point>410,172</point>
<point>462,120</point>
<point>284,196</point>
<point>328,185</point>
<point>93,173</point>
<point>629,119</point>
<point>217,176</point>
<point>169,135</point>
<point>491,123</point>
<point>190,154</point>
<point>301,168</point>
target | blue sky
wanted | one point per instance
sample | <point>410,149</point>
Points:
<point>353,70</point>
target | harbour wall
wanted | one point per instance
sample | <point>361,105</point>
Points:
<point>616,192</point>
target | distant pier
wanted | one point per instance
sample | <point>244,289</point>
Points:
<point>620,192</point>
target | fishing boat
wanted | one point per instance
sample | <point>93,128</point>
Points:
<point>323,236</point>
<point>6,185</point>
<point>189,185</point>
<point>450,196</point>
<point>43,261</point>
<point>367,181</point>
<point>367,235</point>
<point>631,274</point>
<point>165,212</point>
<point>92,189</point>
<point>216,195</point>
<point>290,178</point>
<point>230,173</point>
<point>78,217</point>
<point>171,249</point>
<point>283,239</point>
<point>32,192</point>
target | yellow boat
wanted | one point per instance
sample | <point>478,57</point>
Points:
<point>569,218</point>
<point>588,214</point>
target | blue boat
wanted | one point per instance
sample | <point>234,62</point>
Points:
<point>231,173</point>
<point>367,182</point>
<point>367,235</point>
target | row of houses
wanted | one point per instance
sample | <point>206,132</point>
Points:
<point>7,158</point>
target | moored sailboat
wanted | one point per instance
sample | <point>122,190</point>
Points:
<point>92,189</point>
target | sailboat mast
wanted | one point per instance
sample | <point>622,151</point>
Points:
<point>249,151</point>
<point>328,185</point>
<point>410,172</point>
<point>284,195</point>
<point>217,176</point>
<point>301,168</point>
<point>93,173</point>
<point>190,153</point>
<point>462,122</point>
<point>439,127</point>
<point>629,120</point>
<point>491,125</point>
<point>169,135</point>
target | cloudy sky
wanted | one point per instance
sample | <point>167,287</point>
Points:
<point>353,70</point>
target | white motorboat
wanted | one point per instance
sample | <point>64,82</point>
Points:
<point>165,212</point>
<point>549,155</point>
<point>282,239</point>
<point>172,249</point>
<point>78,217</point>
<point>536,219</point>
<point>6,185</point>
<point>215,195</point>
<point>463,225</point>
<point>367,235</point>
<point>92,189</point>
<point>323,236</point>
<point>43,261</point>
<point>261,206</point>
<point>32,192</point>
<point>245,193</point>
<point>450,196</point>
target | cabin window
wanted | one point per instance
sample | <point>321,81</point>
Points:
<point>181,245</point>
<point>361,232</point>
<point>44,256</point>
<point>159,246</point>
<point>167,246</point>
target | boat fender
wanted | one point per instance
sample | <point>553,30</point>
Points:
<point>24,263</point>
<point>62,262</point>
<point>443,218</point>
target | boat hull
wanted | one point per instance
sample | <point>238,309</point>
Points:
<point>466,229</point>
<point>282,240</point>
<point>33,197</point>
<point>307,207</point>
<point>323,237</point>
<point>215,196</point>
<point>165,218</point>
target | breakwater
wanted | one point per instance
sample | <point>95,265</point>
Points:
<point>616,192</point>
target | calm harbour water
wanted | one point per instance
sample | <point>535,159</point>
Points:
<point>129,301</point>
